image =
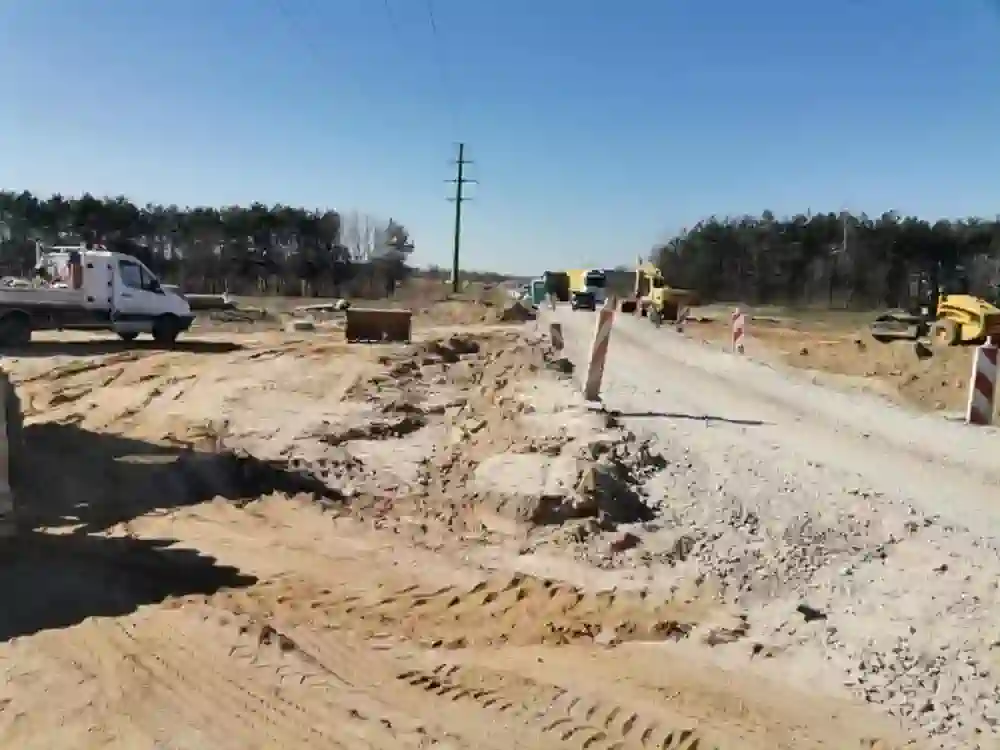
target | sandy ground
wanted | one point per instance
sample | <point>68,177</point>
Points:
<point>263,539</point>
<point>837,348</point>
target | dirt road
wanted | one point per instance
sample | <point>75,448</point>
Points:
<point>861,537</point>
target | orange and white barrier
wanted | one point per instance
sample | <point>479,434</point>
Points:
<point>739,323</point>
<point>982,385</point>
<point>599,351</point>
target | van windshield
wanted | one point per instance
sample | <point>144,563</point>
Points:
<point>596,279</point>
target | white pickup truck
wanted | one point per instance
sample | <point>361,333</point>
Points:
<point>91,290</point>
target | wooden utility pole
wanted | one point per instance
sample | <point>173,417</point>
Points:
<point>460,182</point>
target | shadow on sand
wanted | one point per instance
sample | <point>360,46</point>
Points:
<point>76,484</point>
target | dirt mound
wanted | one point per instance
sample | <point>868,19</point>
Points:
<point>517,312</point>
<point>898,369</point>
<point>938,382</point>
<point>456,311</point>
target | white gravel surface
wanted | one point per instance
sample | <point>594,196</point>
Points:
<point>860,537</point>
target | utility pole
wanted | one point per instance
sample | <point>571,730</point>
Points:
<point>460,182</point>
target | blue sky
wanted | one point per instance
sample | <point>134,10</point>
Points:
<point>598,128</point>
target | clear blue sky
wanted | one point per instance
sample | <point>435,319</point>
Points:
<point>597,127</point>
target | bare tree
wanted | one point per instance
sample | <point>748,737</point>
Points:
<point>360,233</point>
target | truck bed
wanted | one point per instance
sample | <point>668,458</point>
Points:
<point>44,297</point>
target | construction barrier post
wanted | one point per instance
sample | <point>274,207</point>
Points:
<point>739,322</point>
<point>681,317</point>
<point>599,351</point>
<point>556,334</point>
<point>983,384</point>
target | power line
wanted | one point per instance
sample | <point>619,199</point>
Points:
<point>392,19</point>
<point>460,182</point>
<point>450,92</point>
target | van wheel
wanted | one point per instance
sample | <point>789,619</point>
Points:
<point>127,335</point>
<point>15,330</point>
<point>166,329</point>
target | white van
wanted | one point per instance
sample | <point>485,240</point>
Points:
<point>92,290</point>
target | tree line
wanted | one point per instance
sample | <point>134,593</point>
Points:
<point>838,260</point>
<point>243,250</point>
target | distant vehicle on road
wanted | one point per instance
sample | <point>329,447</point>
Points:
<point>595,282</point>
<point>583,300</point>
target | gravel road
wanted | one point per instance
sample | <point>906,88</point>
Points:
<point>860,537</point>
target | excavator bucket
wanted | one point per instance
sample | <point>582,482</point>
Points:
<point>895,326</point>
<point>373,326</point>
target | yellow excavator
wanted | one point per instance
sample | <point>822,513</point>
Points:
<point>944,312</point>
<point>652,298</point>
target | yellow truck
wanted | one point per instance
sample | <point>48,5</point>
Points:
<point>654,299</point>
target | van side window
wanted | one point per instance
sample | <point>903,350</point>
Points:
<point>130,273</point>
<point>149,282</point>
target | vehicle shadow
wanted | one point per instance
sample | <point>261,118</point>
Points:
<point>708,418</point>
<point>56,581</point>
<point>105,346</point>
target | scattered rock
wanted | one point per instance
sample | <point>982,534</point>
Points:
<point>608,637</point>
<point>810,613</point>
<point>622,541</point>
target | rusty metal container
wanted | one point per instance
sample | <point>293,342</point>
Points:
<point>375,326</point>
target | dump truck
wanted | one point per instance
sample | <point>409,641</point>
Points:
<point>81,288</point>
<point>639,299</point>
<point>557,285</point>
<point>588,288</point>
<point>654,299</point>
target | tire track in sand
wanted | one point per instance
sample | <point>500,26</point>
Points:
<point>571,719</point>
<point>514,609</point>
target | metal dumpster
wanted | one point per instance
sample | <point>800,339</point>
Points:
<point>369,325</point>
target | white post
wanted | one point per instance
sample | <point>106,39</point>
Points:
<point>738,320</point>
<point>599,351</point>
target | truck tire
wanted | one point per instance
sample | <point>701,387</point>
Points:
<point>166,329</point>
<point>15,329</point>
<point>127,335</point>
